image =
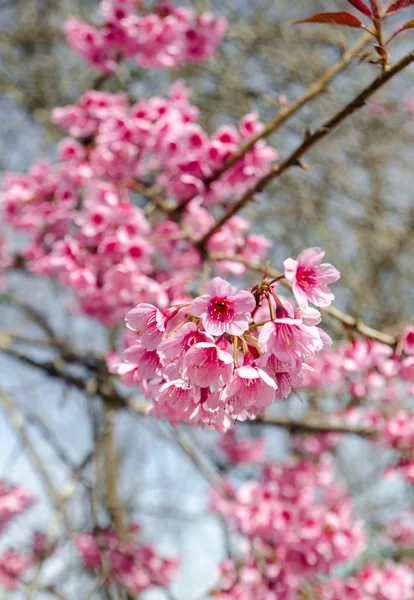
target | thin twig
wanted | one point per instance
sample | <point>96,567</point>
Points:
<point>287,111</point>
<point>311,140</point>
<point>16,418</point>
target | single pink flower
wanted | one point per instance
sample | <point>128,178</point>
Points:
<point>250,390</point>
<point>288,337</point>
<point>407,340</point>
<point>285,374</point>
<point>224,309</point>
<point>145,361</point>
<point>309,278</point>
<point>150,323</point>
<point>88,548</point>
<point>207,365</point>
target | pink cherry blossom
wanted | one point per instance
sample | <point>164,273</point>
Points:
<point>249,391</point>
<point>309,278</point>
<point>149,323</point>
<point>12,566</point>
<point>207,365</point>
<point>146,361</point>
<point>224,309</point>
<point>288,337</point>
<point>407,340</point>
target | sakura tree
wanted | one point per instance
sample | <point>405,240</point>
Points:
<point>189,325</point>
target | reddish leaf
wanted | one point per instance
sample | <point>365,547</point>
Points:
<point>334,18</point>
<point>398,6</point>
<point>374,9</point>
<point>361,6</point>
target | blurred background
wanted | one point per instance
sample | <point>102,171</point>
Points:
<point>356,202</point>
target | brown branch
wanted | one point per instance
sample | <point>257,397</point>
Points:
<point>32,313</point>
<point>287,111</point>
<point>114,401</point>
<point>155,195</point>
<point>347,320</point>
<point>67,352</point>
<point>114,503</point>
<point>311,140</point>
<point>16,418</point>
<point>314,426</point>
<point>208,473</point>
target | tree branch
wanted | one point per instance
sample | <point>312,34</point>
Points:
<point>114,401</point>
<point>287,111</point>
<point>311,140</point>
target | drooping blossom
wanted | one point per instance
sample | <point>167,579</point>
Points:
<point>249,391</point>
<point>289,335</point>
<point>310,279</point>
<point>208,365</point>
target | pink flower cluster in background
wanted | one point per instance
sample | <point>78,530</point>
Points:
<point>81,217</point>
<point>163,39</point>
<point>15,500</point>
<point>136,566</point>
<point>392,581</point>
<point>362,371</point>
<point>298,522</point>
<point>226,355</point>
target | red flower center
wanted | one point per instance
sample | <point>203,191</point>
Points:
<point>306,277</point>
<point>221,309</point>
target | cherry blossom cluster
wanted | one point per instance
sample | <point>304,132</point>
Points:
<point>14,500</point>
<point>165,38</point>
<point>401,530</point>
<point>161,136</point>
<point>224,356</point>
<point>81,217</point>
<point>257,579</point>
<point>364,370</point>
<point>299,523</point>
<point>392,581</point>
<point>136,566</point>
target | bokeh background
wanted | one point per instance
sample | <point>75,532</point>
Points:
<point>356,201</point>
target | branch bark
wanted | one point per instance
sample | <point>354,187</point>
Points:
<point>311,140</point>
